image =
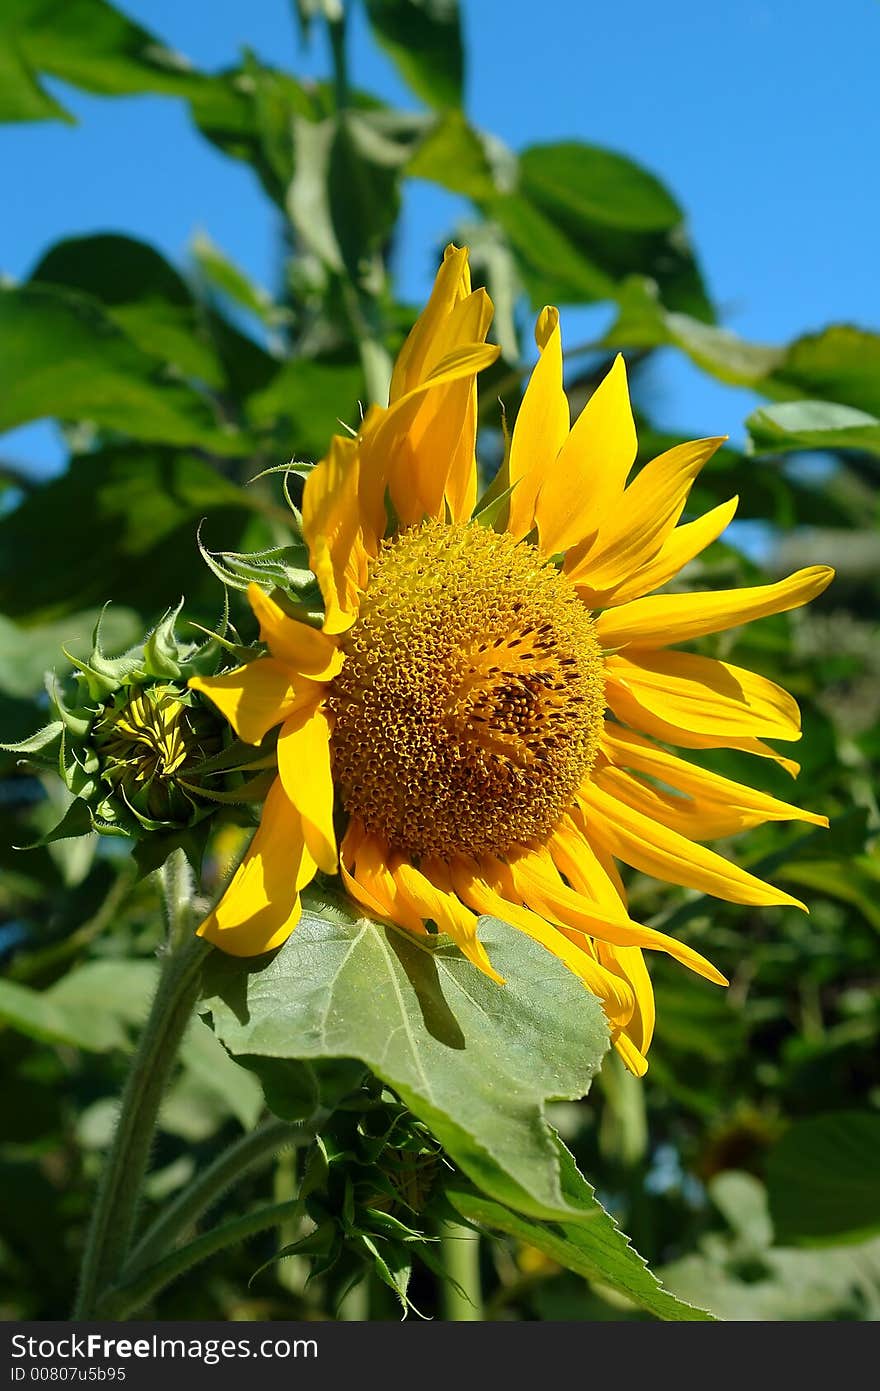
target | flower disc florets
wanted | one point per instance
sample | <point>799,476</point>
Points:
<point>470,704</point>
<point>151,744</point>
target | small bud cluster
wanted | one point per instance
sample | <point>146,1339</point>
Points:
<point>140,753</point>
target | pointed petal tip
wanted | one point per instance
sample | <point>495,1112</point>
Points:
<point>546,325</point>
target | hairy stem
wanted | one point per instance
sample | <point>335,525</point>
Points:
<point>119,1191</point>
<point>181,1214</point>
<point>127,1297</point>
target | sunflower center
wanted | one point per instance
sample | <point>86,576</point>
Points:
<point>469,707</point>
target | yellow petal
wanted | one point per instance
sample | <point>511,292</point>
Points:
<point>635,1061</point>
<point>663,619</point>
<point>652,504</point>
<point>625,707</point>
<point>451,285</point>
<point>615,995</point>
<point>261,907</point>
<point>708,805</point>
<point>255,697</point>
<point>411,448</point>
<point>307,650</point>
<point>442,907</point>
<point>653,849</point>
<point>364,864</point>
<point>304,766</point>
<point>534,878</point>
<point>590,873</point>
<point>337,532</point>
<point>694,695</point>
<point>584,487</point>
<point>680,546</point>
<point>577,860</point>
<point>541,427</point>
<point>629,962</point>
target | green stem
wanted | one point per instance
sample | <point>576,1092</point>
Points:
<point>185,1210</point>
<point>124,1299</point>
<point>119,1191</point>
<point>462,1292</point>
<point>360,306</point>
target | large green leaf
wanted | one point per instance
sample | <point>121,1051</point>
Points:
<point>813,425</point>
<point>142,293</point>
<point>595,1248</point>
<point>120,522</point>
<point>423,39</point>
<point>22,98</point>
<point>822,1179</point>
<point>92,45</point>
<point>344,197</point>
<point>842,363</point>
<point>583,214</point>
<point>476,1061</point>
<point>88,1008</point>
<point>61,355</point>
<point>595,185</point>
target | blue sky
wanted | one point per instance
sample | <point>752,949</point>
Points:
<point>760,116</point>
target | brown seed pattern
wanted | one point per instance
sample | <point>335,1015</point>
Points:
<point>469,707</point>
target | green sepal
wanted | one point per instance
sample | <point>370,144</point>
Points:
<point>44,743</point>
<point>76,821</point>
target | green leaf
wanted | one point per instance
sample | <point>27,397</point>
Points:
<point>122,522</point>
<point>474,1060</point>
<point>208,1062</point>
<point>224,275</point>
<point>423,39</point>
<point>585,220</point>
<point>455,156</point>
<point>61,355</point>
<point>842,363</point>
<point>344,196</point>
<point>855,880</point>
<point>88,1008</point>
<point>141,292</point>
<point>822,1179</point>
<point>595,1248</point>
<point>22,98</point>
<point>92,45</point>
<point>813,425</point>
<point>595,185</point>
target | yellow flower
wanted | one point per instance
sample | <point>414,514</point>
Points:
<point>482,710</point>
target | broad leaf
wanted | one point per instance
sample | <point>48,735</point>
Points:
<point>120,522</point>
<point>141,292</point>
<point>61,355</point>
<point>474,1060</point>
<point>813,425</point>
<point>595,1248</point>
<point>423,39</point>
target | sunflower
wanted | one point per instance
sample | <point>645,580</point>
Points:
<point>486,711</point>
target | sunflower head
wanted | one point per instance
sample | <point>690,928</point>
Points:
<point>489,718</point>
<point>469,706</point>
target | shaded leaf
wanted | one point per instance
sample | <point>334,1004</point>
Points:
<point>142,293</point>
<point>822,1179</point>
<point>475,1061</point>
<point>423,39</point>
<point>63,356</point>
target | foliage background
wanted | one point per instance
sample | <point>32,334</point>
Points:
<point>753,1142</point>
